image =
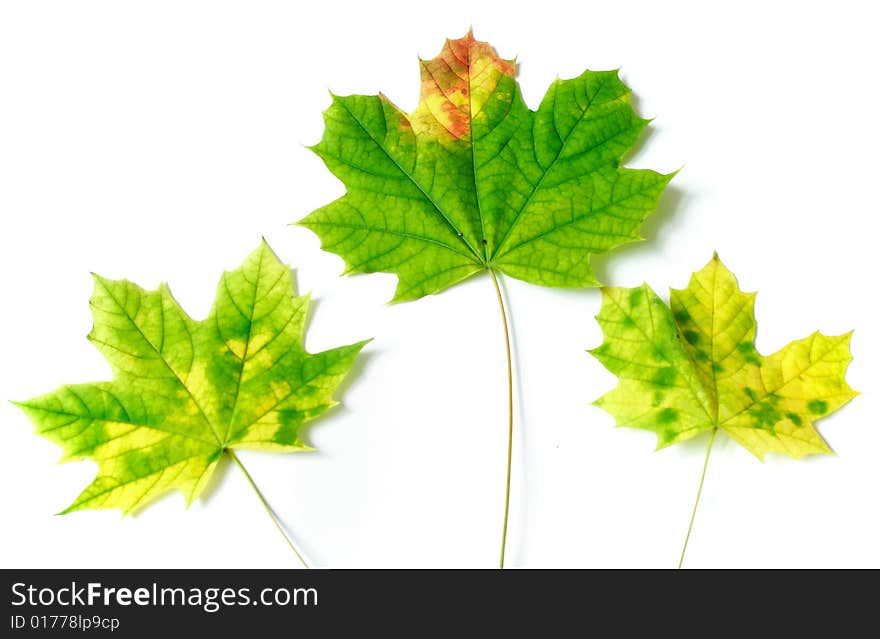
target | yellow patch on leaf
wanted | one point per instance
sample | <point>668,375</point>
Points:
<point>456,85</point>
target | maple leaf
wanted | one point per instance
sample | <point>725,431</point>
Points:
<point>473,180</point>
<point>693,368</point>
<point>185,392</point>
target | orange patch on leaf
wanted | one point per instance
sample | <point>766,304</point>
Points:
<point>456,83</point>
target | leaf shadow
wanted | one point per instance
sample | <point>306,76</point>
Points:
<point>357,371</point>
<point>696,446</point>
<point>657,224</point>
<point>640,144</point>
<point>646,136</point>
<point>208,493</point>
<point>216,478</point>
<point>314,303</point>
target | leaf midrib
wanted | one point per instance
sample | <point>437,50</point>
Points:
<point>473,145</point>
<point>651,341</point>
<point>247,343</point>
<point>498,250</point>
<point>787,382</point>
<point>459,234</point>
<point>97,418</point>
<point>716,401</point>
<point>167,364</point>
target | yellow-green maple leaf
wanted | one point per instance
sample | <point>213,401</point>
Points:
<point>694,367</point>
<point>186,391</point>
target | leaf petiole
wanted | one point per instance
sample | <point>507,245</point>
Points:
<point>699,492</point>
<point>509,413</point>
<point>266,505</point>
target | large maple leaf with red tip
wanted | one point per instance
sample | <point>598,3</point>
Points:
<point>473,180</point>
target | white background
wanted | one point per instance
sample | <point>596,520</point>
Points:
<point>159,140</point>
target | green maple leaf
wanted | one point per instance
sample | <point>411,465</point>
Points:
<point>693,368</point>
<point>473,180</point>
<point>185,392</point>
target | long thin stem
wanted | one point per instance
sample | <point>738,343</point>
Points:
<point>509,413</point>
<point>266,505</point>
<point>699,492</point>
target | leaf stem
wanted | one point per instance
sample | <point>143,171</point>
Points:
<point>509,414</point>
<point>266,505</point>
<point>699,492</point>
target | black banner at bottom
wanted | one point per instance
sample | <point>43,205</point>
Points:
<point>258,603</point>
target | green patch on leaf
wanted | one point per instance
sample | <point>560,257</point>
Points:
<point>818,407</point>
